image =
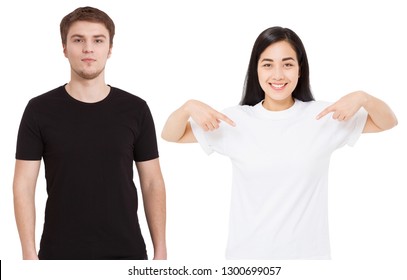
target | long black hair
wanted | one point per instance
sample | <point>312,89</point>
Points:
<point>252,91</point>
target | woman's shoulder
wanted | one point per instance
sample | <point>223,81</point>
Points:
<point>237,110</point>
<point>314,105</point>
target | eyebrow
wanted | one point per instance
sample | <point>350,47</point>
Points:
<point>284,59</point>
<point>94,36</point>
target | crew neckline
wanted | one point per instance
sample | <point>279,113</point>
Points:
<point>276,115</point>
<point>70,97</point>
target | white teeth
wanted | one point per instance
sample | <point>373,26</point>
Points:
<point>277,85</point>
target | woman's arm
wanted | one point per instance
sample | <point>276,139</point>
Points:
<point>380,116</point>
<point>178,129</point>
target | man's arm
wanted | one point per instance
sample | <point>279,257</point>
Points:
<point>153,190</point>
<point>25,180</point>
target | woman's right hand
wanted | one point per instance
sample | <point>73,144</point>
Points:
<point>178,128</point>
<point>204,115</point>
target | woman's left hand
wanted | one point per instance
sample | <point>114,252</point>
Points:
<point>346,107</point>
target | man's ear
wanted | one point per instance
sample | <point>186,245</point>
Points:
<point>110,52</point>
<point>64,49</point>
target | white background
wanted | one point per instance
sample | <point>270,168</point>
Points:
<point>169,51</point>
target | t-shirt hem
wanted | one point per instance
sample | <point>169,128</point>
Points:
<point>147,158</point>
<point>31,158</point>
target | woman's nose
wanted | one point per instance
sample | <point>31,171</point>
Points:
<point>278,73</point>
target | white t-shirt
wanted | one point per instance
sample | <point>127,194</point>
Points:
<point>280,162</point>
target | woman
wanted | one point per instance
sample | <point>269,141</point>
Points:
<point>279,141</point>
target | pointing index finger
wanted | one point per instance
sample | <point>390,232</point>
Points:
<point>226,119</point>
<point>326,111</point>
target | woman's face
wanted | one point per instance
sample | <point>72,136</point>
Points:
<point>278,71</point>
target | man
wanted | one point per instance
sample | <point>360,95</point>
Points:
<point>88,134</point>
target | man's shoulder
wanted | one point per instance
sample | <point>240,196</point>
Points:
<point>127,96</point>
<point>48,96</point>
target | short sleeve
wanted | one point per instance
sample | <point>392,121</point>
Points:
<point>145,146</point>
<point>29,141</point>
<point>210,141</point>
<point>199,134</point>
<point>358,123</point>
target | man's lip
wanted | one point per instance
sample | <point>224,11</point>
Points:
<point>88,59</point>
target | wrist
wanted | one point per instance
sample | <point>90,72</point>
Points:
<point>160,254</point>
<point>30,256</point>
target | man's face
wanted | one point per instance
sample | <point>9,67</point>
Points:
<point>87,49</point>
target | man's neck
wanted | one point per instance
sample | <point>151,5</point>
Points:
<point>88,91</point>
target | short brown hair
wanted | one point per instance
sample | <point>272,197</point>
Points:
<point>86,14</point>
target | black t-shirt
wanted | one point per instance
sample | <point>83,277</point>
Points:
<point>89,151</point>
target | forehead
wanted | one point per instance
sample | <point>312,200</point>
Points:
<point>87,28</point>
<point>279,50</point>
